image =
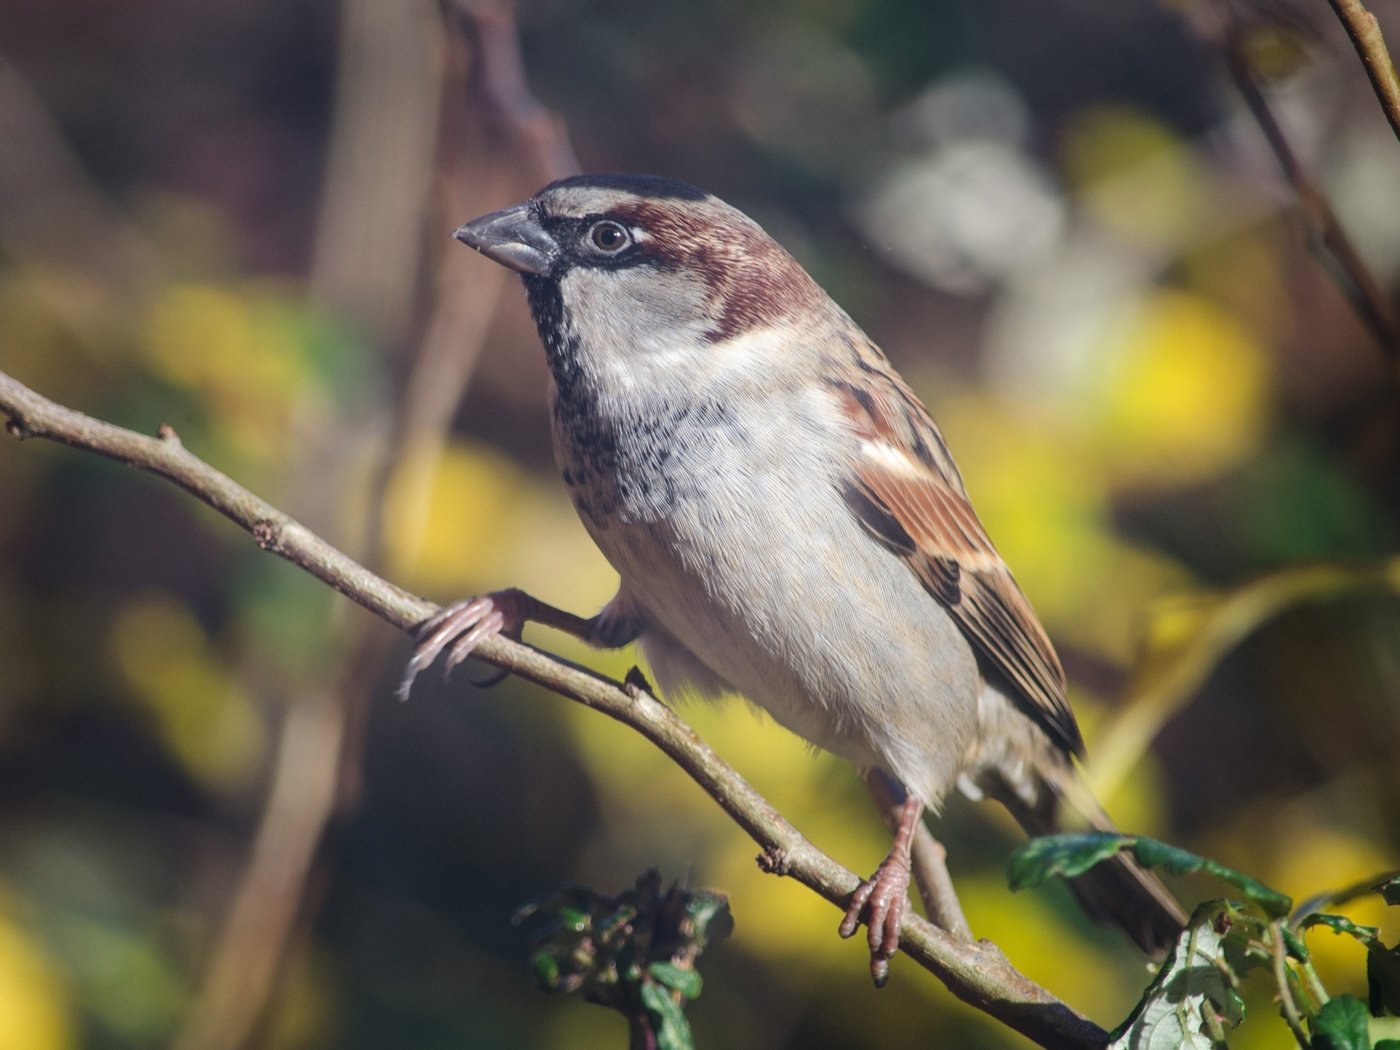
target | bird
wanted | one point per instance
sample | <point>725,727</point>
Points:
<point>787,524</point>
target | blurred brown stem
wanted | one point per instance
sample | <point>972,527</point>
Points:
<point>492,25</point>
<point>1365,33</point>
<point>243,970</point>
<point>408,88</point>
<point>1348,267</point>
<point>1162,688</point>
<point>976,972</point>
<point>366,270</point>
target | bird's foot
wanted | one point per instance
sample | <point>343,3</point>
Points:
<point>882,900</point>
<point>462,626</point>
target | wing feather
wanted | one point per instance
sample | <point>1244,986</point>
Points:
<point>907,492</point>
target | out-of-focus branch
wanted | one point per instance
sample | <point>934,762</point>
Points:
<point>244,967</point>
<point>369,235</point>
<point>1164,690</point>
<point>1365,33</point>
<point>411,84</point>
<point>367,269</point>
<point>492,25</point>
<point>978,973</point>
<point>480,170</point>
<point>1347,267</point>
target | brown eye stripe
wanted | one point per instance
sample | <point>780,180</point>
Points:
<point>753,282</point>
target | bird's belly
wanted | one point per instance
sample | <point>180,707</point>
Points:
<point>771,583</point>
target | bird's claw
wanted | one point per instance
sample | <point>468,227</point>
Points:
<point>883,900</point>
<point>459,628</point>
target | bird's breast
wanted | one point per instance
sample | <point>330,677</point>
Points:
<point>730,530</point>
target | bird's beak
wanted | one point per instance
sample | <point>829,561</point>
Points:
<point>512,238</point>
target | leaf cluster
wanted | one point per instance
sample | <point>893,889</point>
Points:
<point>634,953</point>
<point>1194,999</point>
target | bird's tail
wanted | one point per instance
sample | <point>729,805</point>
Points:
<point>1119,891</point>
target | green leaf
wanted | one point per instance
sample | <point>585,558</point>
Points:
<point>668,1022</point>
<point>1342,1024</point>
<point>1390,890</point>
<point>1073,854</point>
<point>1190,995</point>
<point>1064,856</point>
<point>678,979</point>
<point>1153,854</point>
<point>711,916</point>
<point>1383,979</point>
<point>1295,945</point>
<point>575,919</point>
<point>546,970</point>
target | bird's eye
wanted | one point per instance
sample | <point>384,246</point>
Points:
<point>609,237</point>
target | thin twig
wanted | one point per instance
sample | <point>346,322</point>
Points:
<point>492,25</point>
<point>1162,691</point>
<point>366,268</point>
<point>978,973</point>
<point>1349,269</point>
<point>1365,33</point>
<point>481,170</point>
<point>1285,989</point>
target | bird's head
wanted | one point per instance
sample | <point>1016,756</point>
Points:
<point>644,265</point>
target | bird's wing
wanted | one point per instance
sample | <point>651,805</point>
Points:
<point>907,493</point>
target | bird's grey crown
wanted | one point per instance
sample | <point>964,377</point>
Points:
<point>655,186</point>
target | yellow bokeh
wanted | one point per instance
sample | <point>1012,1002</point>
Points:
<point>34,1009</point>
<point>1044,512</point>
<point>644,798</point>
<point>1134,176</point>
<point>198,707</point>
<point>1045,947</point>
<point>1182,394</point>
<point>1327,860</point>
<point>450,512</point>
<point>1045,503</point>
<point>238,348</point>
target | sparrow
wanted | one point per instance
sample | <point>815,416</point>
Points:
<point>787,524</point>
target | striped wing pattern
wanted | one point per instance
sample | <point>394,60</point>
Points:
<point>908,494</point>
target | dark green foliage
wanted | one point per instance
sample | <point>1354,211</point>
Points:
<point>1194,1000</point>
<point>634,953</point>
<point>1342,1024</point>
<point>1073,854</point>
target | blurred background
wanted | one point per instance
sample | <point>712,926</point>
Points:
<point>217,828</point>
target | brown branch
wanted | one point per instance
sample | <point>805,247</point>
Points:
<point>978,973</point>
<point>1220,26</point>
<point>367,252</point>
<point>244,965</point>
<point>491,24</point>
<point>1349,268</point>
<point>1365,33</point>
<point>366,268</point>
